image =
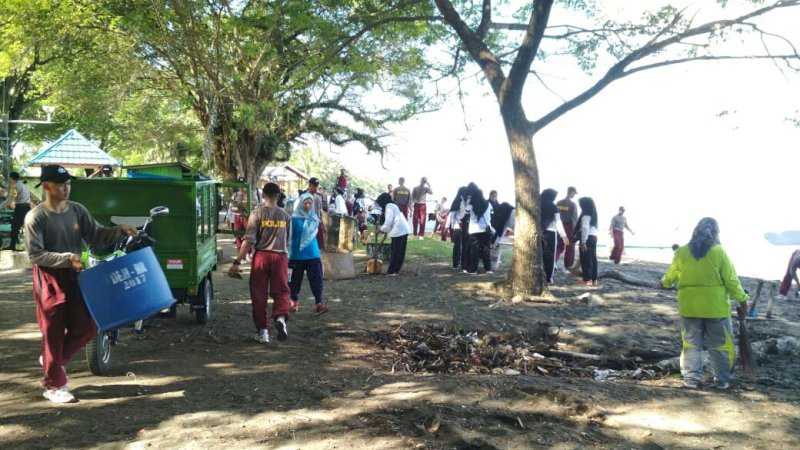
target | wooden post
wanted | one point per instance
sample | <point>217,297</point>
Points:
<point>771,302</point>
<point>756,296</point>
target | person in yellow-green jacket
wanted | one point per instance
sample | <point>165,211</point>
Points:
<point>705,278</point>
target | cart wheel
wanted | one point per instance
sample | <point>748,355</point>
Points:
<point>98,353</point>
<point>203,311</point>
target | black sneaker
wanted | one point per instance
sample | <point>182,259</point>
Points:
<point>280,325</point>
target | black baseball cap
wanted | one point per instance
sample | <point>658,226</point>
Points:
<point>313,181</point>
<point>571,190</point>
<point>54,173</point>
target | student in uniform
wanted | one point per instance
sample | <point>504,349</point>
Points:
<point>304,256</point>
<point>268,231</point>
<point>480,230</point>
<point>551,229</point>
<point>395,225</point>
<point>54,235</point>
<point>458,235</point>
<point>587,224</point>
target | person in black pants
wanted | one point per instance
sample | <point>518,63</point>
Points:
<point>395,225</point>
<point>480,230</point>
<point>587,224</point>
<point>456,225</point>
<point>19,198</point>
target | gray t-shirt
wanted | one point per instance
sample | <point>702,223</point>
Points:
<point>268,229</point>
<point>618,223</point>
<point>52,237</point>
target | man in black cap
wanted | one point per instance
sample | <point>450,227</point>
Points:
<point>569,218</point>
<point>54,233</point>
<point>19,199</point>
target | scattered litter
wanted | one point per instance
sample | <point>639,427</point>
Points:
<point>445,348</point>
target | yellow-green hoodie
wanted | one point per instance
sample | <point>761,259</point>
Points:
<point>704,284</point>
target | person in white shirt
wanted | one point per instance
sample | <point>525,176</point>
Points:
<point>455,220</point>
<point>395,225</point>
<point>587,224</point>
<point>552,228</point>
<point>339,204</point>
<point>480,231</point>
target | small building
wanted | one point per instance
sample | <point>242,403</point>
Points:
<point>73,150</point>
<point>288,177</point>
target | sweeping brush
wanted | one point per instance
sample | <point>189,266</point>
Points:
<point>746,356</point>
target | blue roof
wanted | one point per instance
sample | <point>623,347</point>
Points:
<point>73,150</point>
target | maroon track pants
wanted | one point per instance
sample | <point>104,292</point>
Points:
<point>269,278</point>
<point>619,245</point>
<point>567,250</point>
<point>420,218</point>
<point>63,319</point>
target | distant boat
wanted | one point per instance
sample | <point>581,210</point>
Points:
<point>783,238</point>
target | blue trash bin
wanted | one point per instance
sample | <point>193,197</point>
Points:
<point>126,289</point>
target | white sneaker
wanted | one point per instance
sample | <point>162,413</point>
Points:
<point>421,238</point>
<point>280,325</point>
<point>780,297</point>
<point>60,395</point>
<point>263,336</point>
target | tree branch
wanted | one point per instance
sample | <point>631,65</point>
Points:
<point>618,70</point>
<point>475,46</point>
<point>512,89</point>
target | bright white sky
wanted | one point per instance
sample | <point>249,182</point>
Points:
<point>652,142</point>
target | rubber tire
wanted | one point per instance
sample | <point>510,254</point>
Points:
<point>203,313</point>
<point>98,354</point>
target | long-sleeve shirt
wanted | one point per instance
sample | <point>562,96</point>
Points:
<point>587,229</point>
<point>556,225</point>
<point>482,223</point>
<point>704,284</point>
<point>395,223</point>
<point>53,237</point>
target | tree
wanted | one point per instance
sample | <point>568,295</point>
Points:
<point>60,53</point>
<point>261,75</point>
<point>666,37</point>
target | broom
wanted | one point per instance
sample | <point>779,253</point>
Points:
<point>746,356</point>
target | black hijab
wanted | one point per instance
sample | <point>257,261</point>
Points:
<point>588,209</point>
<point>549,208</point>
<point>478,202</point>
<point>500,218</point>
<point>460,196</point>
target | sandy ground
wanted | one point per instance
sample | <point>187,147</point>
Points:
<point>331,385</point>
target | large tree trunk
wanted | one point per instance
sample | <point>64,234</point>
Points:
<point>527,275</point>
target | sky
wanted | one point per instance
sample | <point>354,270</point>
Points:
<point>672,145</point>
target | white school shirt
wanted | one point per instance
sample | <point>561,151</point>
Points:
<point>482,223</point>
<point>587,229</point>
<point>396,224</point>
<point>556,225</point>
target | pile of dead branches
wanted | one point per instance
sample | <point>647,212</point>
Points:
<point>443,348</point>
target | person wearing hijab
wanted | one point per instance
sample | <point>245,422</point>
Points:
<point>339,203</point>
<point>503,219</point>
<point>551,228</point>
<point>587,226</point>
<point>480,230</point>
<point>455,223</point>
<point>395,225</point>
<point>705,278</point>
<point>304,256</point>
